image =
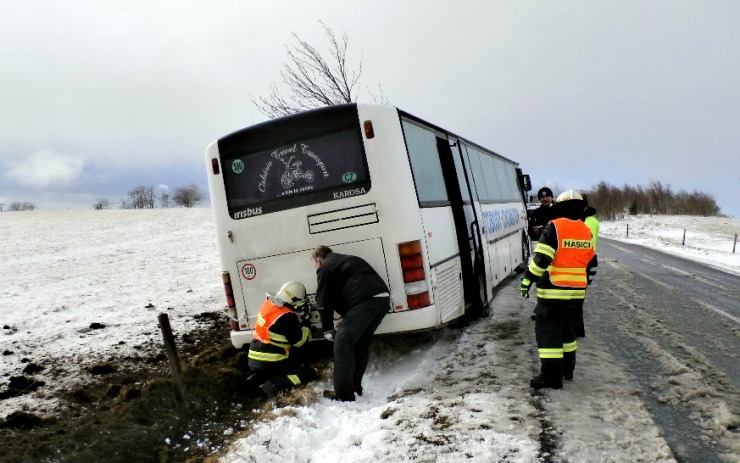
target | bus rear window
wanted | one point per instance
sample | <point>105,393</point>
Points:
<point>298,171</point>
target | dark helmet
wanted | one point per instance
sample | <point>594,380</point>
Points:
<point>544,191</point>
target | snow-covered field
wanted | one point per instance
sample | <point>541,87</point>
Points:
<point>709,240</point>
<point>81,286</point>
<point>84,286</point>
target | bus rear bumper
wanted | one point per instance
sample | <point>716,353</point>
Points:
<point>241,338</point>
<point>410,320</point>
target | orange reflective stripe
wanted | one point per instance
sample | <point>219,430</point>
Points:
<point>570,277</point>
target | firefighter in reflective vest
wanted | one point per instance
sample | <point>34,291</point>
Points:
<point>559,267</point>
<point>274,354</point>
<point>589,218</point>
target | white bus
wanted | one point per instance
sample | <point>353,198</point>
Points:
<point>440,218</point>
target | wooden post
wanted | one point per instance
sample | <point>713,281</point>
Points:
<point>628,230</point>
<point>172,355</point>
<point>734,244</point>
<point>683,242</point>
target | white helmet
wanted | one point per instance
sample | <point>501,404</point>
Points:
<point>292,293</point>
<point>569,195</point>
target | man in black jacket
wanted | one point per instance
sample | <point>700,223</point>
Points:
<point>349,286</point>
<point>542,215</point>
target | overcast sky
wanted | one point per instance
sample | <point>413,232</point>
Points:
<point>98,97</point>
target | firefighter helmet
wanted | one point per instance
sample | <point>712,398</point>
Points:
<point>291,293</point>
<point>569,195</point>
<point>570,204</point>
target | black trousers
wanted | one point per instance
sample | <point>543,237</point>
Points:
<point>352,345</point>
<point>283,374</point>
<point>578,319</point>
<point>555,331</point>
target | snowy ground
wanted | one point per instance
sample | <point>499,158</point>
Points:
<point>79,287</point>
<point>709,240</point>
<point>84,286</point>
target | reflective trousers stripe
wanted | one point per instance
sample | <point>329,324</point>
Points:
<point>569,347</point>
<point>294,379</point>
<point>266,356</point>
<point>555,353</point>
<point>551,353</point>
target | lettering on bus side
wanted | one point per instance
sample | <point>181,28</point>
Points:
<point>501,219</point>
<point>350,192</point>
<point>248,212</point>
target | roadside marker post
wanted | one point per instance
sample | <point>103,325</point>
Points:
<point>172,355</point>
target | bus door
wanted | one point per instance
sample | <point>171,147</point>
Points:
<point>465,213</point>
<point>471,161</point>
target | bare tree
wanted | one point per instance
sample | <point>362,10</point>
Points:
<point>2,205</point>
<point>613,203</point>
<point>187,196</point>
<point>312,80</point>
<point>101,204</point>
<point>140,197</point>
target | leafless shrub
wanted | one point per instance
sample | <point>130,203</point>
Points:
<point>17,206</point>
<point>101,204</point>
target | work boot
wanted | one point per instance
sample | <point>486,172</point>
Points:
<point>358,390</point>
<point>308,374</point>
<point>568,376</point>
<point>268,390</point>
<point>539,382</point>
<point>252,382</point>
<point>331,395</point>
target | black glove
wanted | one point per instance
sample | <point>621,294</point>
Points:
<point>306,322</point>
<point>304,309</point>
<point>525,287</point>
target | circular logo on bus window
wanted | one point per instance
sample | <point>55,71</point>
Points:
<point>237,166</point>
<point>349,177</point>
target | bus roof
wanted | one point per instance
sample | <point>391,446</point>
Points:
<point>330,109</point>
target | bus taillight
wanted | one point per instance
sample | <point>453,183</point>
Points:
<point>214,166</point>
<point>369,132</point>
<point>417,301</point>
<point>414,276</point>
<point>230,303</point>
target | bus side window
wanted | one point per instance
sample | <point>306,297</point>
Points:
<point>425,164</point>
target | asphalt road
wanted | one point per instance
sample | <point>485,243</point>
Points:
<point>675,324</point>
